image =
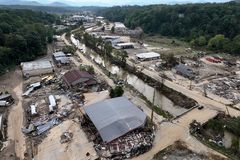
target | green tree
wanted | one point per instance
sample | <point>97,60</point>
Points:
<point>116,92</point>
<point>218,42</point>
<point>202,41</point>
<point>113,29</point>
<point>236,45</point>
<point>69,49</point>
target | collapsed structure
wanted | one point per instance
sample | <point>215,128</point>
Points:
<point>115,117</point>
<point>6,100</point>
<point>36,68</point>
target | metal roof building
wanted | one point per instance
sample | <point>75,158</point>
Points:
<point>60,57</point>
<point>148,56</point>
<point>37,68</point>
<point>125,45</point>
<point>115,117</point>
<point>185,71</point>
<point>75,77</point>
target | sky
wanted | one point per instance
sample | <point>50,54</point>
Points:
<point>125,2</point>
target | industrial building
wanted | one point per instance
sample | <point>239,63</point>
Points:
<point>60,58</point>
<point>36,68</point>
<point>76,77</point>
<point>125,45</point>
<point>115,117</point>
<point>148,56</point>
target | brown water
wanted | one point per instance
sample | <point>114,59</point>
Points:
<point>142,87</point>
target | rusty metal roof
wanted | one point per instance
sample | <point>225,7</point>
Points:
<point>74,75</point>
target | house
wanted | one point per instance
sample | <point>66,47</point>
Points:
<point>99,18</point>
<point>37,68</point>
<point>148,56</point>
<point>115,117</point>
<point>119,27</point>
<point>76,18</point>
<point>60,58</point>
<point>185,71</point>
<point>76,77</point>
<point>125,45</point>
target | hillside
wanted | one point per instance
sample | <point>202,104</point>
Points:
<point>23,36</point>
<point>190,22</point>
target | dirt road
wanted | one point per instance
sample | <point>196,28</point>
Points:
<point>15,120</point>
<point>170,132</point>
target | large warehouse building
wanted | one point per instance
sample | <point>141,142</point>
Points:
<point>115,117</point>
<point>36,68</point>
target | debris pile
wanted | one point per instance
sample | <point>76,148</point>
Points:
<point>66,137</point>
<point>130,145</point>
<point>227,87</point>
<point>6,100</point>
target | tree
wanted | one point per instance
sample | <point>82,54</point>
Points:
<point>23,35</point>
<point>113,29</point>
<point>236,45</point>
<point>202,41</point>
<point>218,42</point>
<point>99,23</point>
<point>69,49</point>
<point>103,28</point>
<point>116,92</point>
<point>171,61</point>
<point>88,69</point>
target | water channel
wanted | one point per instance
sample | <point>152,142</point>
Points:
<point>148,91</point>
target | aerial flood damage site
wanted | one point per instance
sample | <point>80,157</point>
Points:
<point>103,86</point>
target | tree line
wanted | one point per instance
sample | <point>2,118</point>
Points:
<point>24,35</point>
<point>216,26</point>
<point>103,48</point>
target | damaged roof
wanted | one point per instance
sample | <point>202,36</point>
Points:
<point>73,76</point>
<point>115,117</point>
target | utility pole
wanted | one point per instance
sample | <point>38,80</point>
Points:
<point>190,86</point>
<point>205,90</point>
<point>154,90</point>
<point>227,111</point>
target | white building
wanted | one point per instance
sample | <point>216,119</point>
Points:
<point>125,45</point>
<point>119,27</point>
<point>36,68</point>
<point>148,56</point>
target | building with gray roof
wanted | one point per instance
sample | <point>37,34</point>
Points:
<point>115,117</point>
<point>185,71</point>
<point>61,58</point>
<point>36,68</point>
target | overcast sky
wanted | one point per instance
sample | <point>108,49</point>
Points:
<point>126,2</point>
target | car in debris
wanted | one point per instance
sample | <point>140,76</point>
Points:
<point>200,107</point>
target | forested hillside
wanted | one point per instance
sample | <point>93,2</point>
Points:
<point>23,36</point>
<point>216,26</point>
